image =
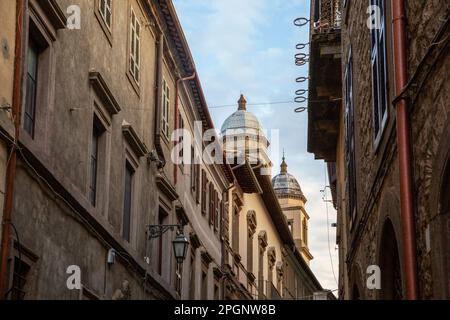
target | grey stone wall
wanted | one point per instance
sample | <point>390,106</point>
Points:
<point>377,167</point>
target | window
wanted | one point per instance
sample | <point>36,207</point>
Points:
<point>379,72</point>
<point>21,271</point>
<point>261,290</point>
<point>204,184</point>
<point>221,213</point>
<point>165,109</point>
<point>193,169</point>
<point>211,203</point>
<point>204,293</point>
<point>305,231</point>
<point>129,172</point>
<point>106,12</point>
<point>250,233</point>
<point>290,225</point>
<point>216,290</point>
<point>192,276</point>
<point>217,205</point>
<point>197,183</point>
<point>195,177</point>
<point>350,138</point>
<point>135,43</point>
<point>31,86</point>
<point>235,230</point>
<point>97,133</point>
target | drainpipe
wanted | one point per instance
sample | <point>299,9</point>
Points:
<point>177,88</point>
<point>12,164</point>
<point>404,151</point>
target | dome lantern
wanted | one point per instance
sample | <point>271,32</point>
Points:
<point>242,103</point>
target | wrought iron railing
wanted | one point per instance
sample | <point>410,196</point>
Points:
<point>329,17</point>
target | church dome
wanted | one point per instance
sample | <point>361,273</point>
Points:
<point>243,136</point>
<point>242,120</point>
<point>286,185</point>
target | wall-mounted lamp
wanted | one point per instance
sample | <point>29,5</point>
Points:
<point>180,243</point>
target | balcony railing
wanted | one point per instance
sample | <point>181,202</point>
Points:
<point>328,17</point>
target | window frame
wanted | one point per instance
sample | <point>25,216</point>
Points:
<point>134,55</point>
<point>165,109</point>
<point>204,183</point>
<point>40,39</point>
<point>34,47</point>
<point>211,203</point>
<point>380,80</point>
<point>217,204</point>
<point>97,132</point>
<point>192,278</point>
<point>105,11</point>
<point>126,234</point>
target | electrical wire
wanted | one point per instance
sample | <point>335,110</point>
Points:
<point>328,226</point>
<point>260,104</point>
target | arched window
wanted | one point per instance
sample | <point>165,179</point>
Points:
<point>391,281</point>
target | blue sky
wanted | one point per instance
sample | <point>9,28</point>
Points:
<point>248,47</point>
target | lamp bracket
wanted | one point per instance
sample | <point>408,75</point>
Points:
<point>156,231</point>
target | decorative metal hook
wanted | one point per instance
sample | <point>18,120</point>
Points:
<point>300,109</point>
<point>301,46</point>
<point>156,231</point>
<point>300,22</point>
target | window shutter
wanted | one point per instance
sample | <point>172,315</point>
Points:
<point>203,192</point>
<point>218,213</point>
<point>211,203</point>
<point>215,208</point>
<point>197,184</point>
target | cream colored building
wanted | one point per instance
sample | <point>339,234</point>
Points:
<point>292,201</point>
<point>262,260</point>
<point>7,39</point>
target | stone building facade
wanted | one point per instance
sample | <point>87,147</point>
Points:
<point>94,154</point>
<point>353,126</point>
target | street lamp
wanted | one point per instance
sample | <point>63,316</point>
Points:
<point>180,247</point>
<point>180,243</point>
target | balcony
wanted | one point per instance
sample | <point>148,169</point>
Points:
<point>325,84</point>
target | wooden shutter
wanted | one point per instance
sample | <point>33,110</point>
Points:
<point>218,209</point>
<point>203,192</point>
<point>211,203</point>
<point>197,183</point>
